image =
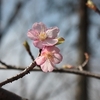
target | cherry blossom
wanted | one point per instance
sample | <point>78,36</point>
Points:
<point>48,58</point>
<point>43,36</point>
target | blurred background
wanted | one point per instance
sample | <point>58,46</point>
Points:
<point>80,27</point>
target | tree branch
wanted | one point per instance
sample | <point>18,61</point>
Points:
<point>20,75</point>
<point>66,69</point>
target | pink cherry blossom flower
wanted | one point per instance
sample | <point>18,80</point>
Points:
<point>43,36</point>
<point>48,58</point>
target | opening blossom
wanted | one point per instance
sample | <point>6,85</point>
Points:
<point>43,36</point>
<point>45,39</point>
<point>48,58</point>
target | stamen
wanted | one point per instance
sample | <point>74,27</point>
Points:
<point>42,36</point>
<point>48,55</point>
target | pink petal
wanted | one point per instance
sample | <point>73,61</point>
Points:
<point>52,32</point>
<point>33,34</point>
<point>50,42</point>
<point>47,66</point>
<point>38,44</point>
<point>39,27</point>
<point>52,49</point>
<point>50,69</point>
<point>57,58</point>
<point>44,66</point>
<point>40,60</point>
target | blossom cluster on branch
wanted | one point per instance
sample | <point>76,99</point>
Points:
<point>46,40</point>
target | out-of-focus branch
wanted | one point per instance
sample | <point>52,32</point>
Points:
<point>7,66</point>
<point>0,14</point>
<point>17,9</point>
<point>7,95</point>
<point>92,6</point>
<point>80,67</point>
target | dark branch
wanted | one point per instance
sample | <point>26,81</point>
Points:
<point>7,95</point>
<point>72,71</point>
<point>20,75</point>
<point>17,9</point>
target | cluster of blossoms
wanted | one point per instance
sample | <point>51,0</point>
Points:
<point>45,39</point>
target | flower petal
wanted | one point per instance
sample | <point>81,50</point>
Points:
<point>52,49</point>
<point>57,58</point>
<point>40,27</point>
<point>47,66</point>
<point>33,34</point>
<point>40,60</point>
<point>38,44</point>
<point>52,32</point>
<point>50,42</point>
<point>50,69</point>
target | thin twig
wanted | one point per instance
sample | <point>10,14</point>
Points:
<point>27,47</point>
<point>80,67</point>
<point>32,57</point>
<point>20,75</point>
<point>86,60</point>
<point>90,4</point>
